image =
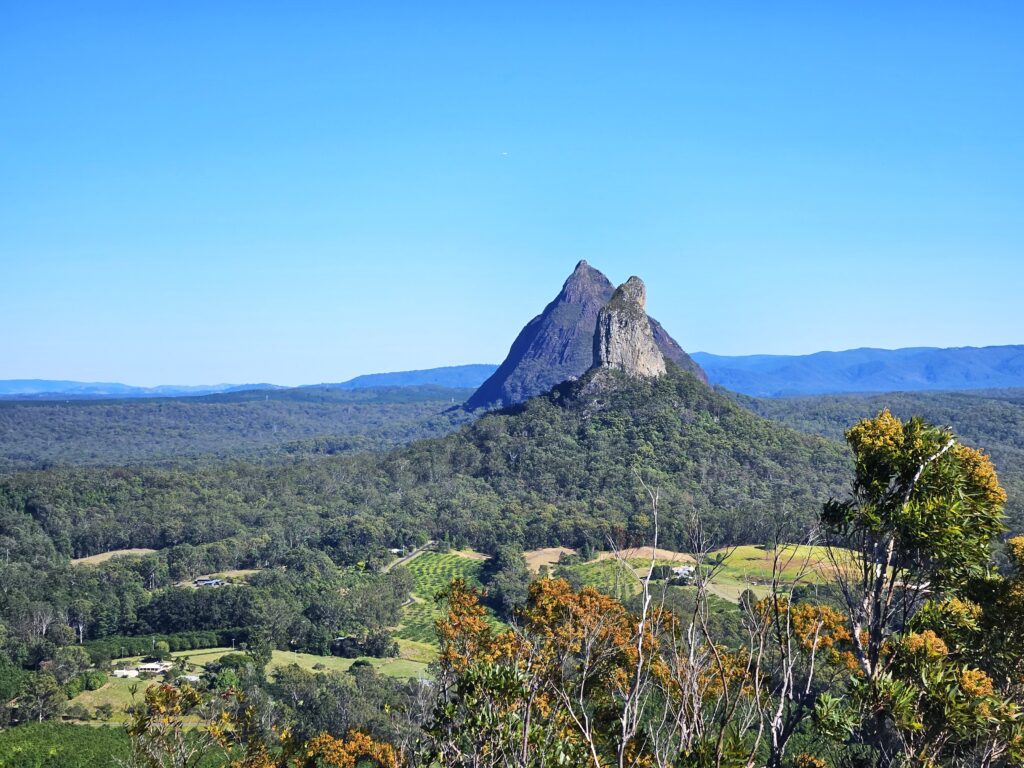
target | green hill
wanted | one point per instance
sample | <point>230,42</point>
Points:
<point>559,469</point>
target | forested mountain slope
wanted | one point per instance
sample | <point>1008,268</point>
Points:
<point>558,469</point>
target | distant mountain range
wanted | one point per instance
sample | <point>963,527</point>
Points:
<point>913,369</point>
<point>51,389</point>
<point>458,376</point>
<point>450,377</point>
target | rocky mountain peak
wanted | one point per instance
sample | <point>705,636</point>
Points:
<point>558,344</point>
<point>623,339</point>
<point>586,284</point>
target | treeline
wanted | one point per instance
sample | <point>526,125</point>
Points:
<point>118,646</point>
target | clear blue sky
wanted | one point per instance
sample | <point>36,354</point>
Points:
<point>301,192</point>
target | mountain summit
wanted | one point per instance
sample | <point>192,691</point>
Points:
<point>559,343</point>
<point>624,339</point>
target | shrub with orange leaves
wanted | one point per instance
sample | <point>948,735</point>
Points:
<point>358,749</point>
<point>554,686</point>
<point>976,683</point>
<point>809,761</point>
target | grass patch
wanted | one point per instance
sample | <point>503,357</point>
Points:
<point>537,558</point>
<point>752,565</point>
<point>747,567</point>
<point>397,667</point>
<point>415,651</point>
<point>412,661</point>
<point>117,692</point>
<point>102,557</point>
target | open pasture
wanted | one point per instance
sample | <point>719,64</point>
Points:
<point>412,661</point>
<point>792,564</point>
<point>537,558</point>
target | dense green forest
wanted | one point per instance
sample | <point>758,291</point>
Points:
<point>565,468</point>
<point>254,423</point>
<point>561,469</point>
<point>990,419</point>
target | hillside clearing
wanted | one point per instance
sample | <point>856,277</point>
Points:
<point>236,574</point>
<point>736,569</point>
<point>537,558</point>
<point>103,557</point>
<point>433,572</point>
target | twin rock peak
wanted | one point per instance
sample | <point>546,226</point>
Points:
<point>590,324</point>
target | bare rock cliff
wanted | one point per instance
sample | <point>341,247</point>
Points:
<point>558,344</point>
<point>624,339</point>
<point>554,346</point>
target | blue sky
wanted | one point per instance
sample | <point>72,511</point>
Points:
<point>302,192</point>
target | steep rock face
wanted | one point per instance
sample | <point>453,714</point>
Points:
<point>623,339</point>
<point>554,346</point>
<point>558,344</point>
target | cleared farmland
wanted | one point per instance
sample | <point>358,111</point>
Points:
<point>433,572</point>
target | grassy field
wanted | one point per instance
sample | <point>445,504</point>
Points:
<point>796,564</point>
<point>397,667</point>
<point>412,650</point>
<point>102,557</point>
<point>663,556</point>
<point>742,568</point>
<point>116,692</point>
<point>412,661</point>
<point>548,556</point>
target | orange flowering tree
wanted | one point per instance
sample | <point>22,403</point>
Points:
<point>539,694</point>
<point>582,680</point>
